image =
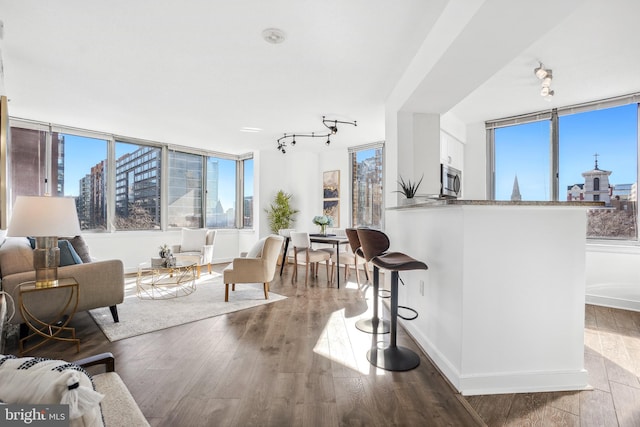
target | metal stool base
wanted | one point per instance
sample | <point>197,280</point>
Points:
<point>393,358</point>
<point>366,325</point>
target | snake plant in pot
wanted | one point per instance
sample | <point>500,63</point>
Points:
<point>408,188</point>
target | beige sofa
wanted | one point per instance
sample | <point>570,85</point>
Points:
<point>100,283</point>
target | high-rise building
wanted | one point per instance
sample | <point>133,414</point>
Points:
<point>138,176</point>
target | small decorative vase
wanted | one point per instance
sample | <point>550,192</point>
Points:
<point>323,229</point>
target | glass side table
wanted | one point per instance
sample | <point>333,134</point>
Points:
<point>54,328</point>
<point>165,282</point>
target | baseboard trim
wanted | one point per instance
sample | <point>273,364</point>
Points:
<point>498,383</point>
<point>613,302</point>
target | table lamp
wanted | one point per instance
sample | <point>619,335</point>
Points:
<point>44,218</point>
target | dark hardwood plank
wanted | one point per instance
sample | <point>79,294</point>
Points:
<point>493,410</point>
<point>597,410</point>
<point>528,409</point>
<point>627,403</point>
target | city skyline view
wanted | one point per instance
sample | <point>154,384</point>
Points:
<point>82,153</point>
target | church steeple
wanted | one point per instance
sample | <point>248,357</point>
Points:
<point>515,194</point>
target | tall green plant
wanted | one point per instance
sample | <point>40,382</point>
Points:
<point>280,213</point>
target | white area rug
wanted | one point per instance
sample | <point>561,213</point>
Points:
<point>139,316</point>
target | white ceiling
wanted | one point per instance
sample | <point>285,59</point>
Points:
<point>195,72</point>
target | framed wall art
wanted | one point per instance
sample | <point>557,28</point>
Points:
<point>331,196</point>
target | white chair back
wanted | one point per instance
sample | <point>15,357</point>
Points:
<point>300,239</point>
<point>286,232</point>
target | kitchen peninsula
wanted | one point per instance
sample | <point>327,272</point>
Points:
<point>501,308</point>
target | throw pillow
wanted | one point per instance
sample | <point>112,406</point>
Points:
<point>35,380</point>
<point>16,256</point>
<point>256,250</point>
<point>193,239</point>
<point>80,246</point>
<point>68,255</point>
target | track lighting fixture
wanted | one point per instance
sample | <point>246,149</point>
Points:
<point>540,72</point>
<point>332,125</point>
<point>545,75</point>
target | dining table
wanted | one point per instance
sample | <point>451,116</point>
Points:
<point>330,239</point>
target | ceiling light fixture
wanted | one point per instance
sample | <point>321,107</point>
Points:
<point>332,125</point>
<point>545,75</point>
<point>274,35</point>
<point>250,129</point>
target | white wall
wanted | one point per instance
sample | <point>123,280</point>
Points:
<point>135,247</point>
<point>299,173</point>
<point>489,315</point>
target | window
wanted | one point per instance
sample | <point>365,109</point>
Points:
<point>137,197</point>
<point>367,200</point>
<point>598,150</point>
<point>185,189</point>
<point>118,185</point>
<point>74,166</point>
<point>247,207</point>
<point>221,192</point>
<point>82,173</point>
<point>522,162</point>
<point>28,162</point>
<point>592,156</point>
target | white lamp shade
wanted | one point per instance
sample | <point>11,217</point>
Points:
<point>44,216</point>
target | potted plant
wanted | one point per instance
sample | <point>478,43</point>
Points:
<point>409,189</point>
<point>280,213</point>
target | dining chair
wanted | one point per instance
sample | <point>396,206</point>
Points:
<point>348,259</point>
<point>302,251</point>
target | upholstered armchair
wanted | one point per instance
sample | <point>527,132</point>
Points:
<point>196,246</point>
<point>258,266</point>
<point>91,400</point>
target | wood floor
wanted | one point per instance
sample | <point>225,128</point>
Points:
<point>301,362</point>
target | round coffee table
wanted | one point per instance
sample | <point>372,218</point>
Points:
<point>165,282</point>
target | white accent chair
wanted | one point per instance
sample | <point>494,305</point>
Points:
<point>196,246</point>
<point>302,251</point>
<point>259,265</point>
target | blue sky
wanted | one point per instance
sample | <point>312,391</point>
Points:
<point>523,150</point>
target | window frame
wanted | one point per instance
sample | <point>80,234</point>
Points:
<point>553,115</point>
<point>112,140</point>
<point>353,151</point>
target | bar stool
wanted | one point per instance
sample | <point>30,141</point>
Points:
<point>376,247</point>
<point>392,357</point>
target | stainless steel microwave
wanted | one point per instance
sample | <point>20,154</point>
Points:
<point>450,182</point>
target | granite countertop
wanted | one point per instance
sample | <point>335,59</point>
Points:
<point>427,203</point>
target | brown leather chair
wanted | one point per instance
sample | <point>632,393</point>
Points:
<point>354,243</point>
<point>376,246</point>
